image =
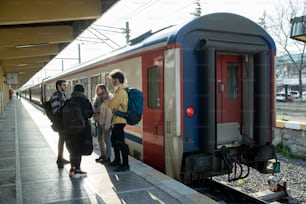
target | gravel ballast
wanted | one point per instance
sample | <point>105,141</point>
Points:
<point>293,171</point>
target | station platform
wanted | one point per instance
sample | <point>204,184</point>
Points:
<point>29,174</point>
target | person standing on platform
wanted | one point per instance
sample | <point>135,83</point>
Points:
<point>57,101</point>
<point>97,101</point>
<point>75,141</point>
<point>119,103</point>
<point>105,122</point>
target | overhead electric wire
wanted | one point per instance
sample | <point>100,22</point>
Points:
<point>89,41</point>
<point>182,8</point>
<point>100,38</point>
<point>123,29</point>
<point>121,32</point>
<point>106,37</point>
<point>136,10</point>
<point>139,9</point>
<point>91,38</point>
<point>152,3</point>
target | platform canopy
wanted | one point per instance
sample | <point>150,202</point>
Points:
<point>298,28</point>
<point>32,32</point>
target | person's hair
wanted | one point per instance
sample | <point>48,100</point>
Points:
<point>105,91</point>
<point>117,74</point>
<point>101,86</point>
<point>78,88</point>
<point>59,83</point>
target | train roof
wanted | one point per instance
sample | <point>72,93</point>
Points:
<point>216,22</point>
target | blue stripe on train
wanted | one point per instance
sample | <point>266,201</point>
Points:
<point>133,138</point>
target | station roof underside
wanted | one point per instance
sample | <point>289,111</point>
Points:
<point>32,32</point>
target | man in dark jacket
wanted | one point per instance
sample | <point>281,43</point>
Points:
<point>57,101</point>
<point>74,141</point>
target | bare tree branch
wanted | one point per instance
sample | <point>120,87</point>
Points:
<point>279,26</point>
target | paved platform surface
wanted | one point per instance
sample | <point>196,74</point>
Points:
<point>29,173</point>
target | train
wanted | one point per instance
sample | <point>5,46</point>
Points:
<point>208,86</point>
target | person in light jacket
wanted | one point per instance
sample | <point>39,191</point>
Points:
<point>119,102</point>
<point>105,122</point>
<point>97,102</point>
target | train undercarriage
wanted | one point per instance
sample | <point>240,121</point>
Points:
<point>235,162</point>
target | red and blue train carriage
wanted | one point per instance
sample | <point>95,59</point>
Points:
<point>208,94</point>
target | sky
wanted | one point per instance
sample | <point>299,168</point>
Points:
<point>145,15</point>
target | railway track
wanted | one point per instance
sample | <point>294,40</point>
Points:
<point>223,193</point>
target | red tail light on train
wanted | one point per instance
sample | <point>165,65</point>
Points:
<point>190,112</point>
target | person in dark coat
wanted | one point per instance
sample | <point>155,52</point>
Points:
<point>74,141</point>
<point>58,99</point>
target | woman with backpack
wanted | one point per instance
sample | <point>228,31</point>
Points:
<point>102,95</point>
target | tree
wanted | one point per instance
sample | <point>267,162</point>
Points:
<point>279,26</point>
<point>263,20</point>
<point>198,9</point>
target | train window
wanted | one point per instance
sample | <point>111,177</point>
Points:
<point>232,80</point>
<point>94,81</point>
<point>153,87</point>
<point>84,82</point>
<point>74,82</point>
<point>68,89</point>
<point>50,90</point>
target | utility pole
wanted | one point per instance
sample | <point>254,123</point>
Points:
<point>79,53</point>
<point>127,32</point>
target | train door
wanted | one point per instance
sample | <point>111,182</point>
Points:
<point>43,94</point>
<point>229,99</point>
<point>153,115</point>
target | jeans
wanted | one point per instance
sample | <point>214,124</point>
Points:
<point>119,145</point>
<point>100,140</point>
<point>60,146</point>
<point>104,139</point>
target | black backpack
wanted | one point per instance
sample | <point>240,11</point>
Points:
<point>55,118</point>
<point>135,106</point>
<point>48,110</point>
<point>73,121</point>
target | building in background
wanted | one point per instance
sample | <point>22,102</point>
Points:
<point>286,72</point>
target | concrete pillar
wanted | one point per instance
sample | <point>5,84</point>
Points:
<point>4,92</point>
<point>1,91</point>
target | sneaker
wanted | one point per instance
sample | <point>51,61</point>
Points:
<point>72,173</point>
<point>60,164</point>
<point>105,161</point>
<point>80,173</point>
<point>115,163</point>
<point>122,168</point>
<point>100,159</point>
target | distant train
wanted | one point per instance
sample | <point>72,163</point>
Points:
<point>208,96</point>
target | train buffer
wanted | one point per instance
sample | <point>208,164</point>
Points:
<point>29,173</point>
